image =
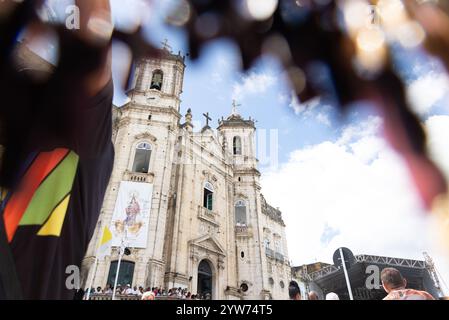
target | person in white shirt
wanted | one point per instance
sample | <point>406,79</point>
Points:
<point>140,291</point>
<point>128,290</point>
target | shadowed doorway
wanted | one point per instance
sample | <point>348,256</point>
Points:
<point>204,280</point>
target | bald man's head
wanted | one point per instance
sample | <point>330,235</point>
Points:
<point>313,295</point>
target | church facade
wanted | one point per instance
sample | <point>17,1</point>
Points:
<point>201,221</point>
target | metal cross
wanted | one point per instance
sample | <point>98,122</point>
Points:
<point>234,106</point>
<point>165,44</point>
<point>206,115</point>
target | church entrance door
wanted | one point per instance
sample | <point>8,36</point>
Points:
<point>204,280</point>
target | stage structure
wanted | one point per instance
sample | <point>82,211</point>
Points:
<point>420,275</point>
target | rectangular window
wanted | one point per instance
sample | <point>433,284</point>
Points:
<point>266,243</point>
<point>207,202</point>
<point>240,215</point>
<point>142,161</point>
<point>277,245</point>
<point>270,267</point>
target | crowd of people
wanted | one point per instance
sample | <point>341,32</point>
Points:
<point>394,284</point>
<point>146,294</point>
<point>294,293</point>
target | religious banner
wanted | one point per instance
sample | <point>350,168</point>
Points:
<point>132,214</point>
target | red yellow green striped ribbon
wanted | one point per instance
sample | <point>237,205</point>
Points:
<point>43,194</point>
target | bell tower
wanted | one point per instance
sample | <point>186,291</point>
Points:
<point>238,137</point>
<point>145,135</point>
<point>238,140</point>
<point>159,80</point>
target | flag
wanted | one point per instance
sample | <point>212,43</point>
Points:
<point>104,248</point>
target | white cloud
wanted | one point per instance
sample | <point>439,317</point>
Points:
<point>364,129</point>
<point>311,109</point>
<point>438,132</point>
<point>282,98</point>
<point>300,108</point>
<point>355,192</point>
<point>254,83</point>
<point>216,77</point>
<point>220,67</point>
<point>427,90</point>
<point>130,14</point>
<point>323,118</point>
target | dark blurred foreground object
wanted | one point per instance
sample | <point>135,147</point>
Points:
<point>58,154</point>
<point>435,21</point>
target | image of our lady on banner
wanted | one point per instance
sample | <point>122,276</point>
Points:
<point>131,215</point>
<point>131,222</point>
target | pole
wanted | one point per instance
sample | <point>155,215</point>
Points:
<point>92,278</point>
<point>120,255</point>
<point>348,284</point>
<point>117,271</point>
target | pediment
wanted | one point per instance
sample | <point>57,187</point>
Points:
<point>209,142</point>
<point>214,144</point>
<point>209,243</point>
<point>240,195</point>
<point>145,136</point>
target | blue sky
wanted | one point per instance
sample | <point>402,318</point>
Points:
<point>212,82</point>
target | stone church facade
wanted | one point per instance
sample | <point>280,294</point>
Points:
<point>210,228</point>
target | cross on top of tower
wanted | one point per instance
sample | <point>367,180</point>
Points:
<point>165,45</point>
<point>206,115</point>
<point>234,107</point>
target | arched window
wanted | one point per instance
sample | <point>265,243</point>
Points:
<point>237,145</point>
<point>156,80</point>
<point>125,275</point>
<point>208,196</point>
<point>142,158</point>
<point>240,213</point>
<point>205,277</point>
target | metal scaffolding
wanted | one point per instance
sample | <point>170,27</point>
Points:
<point>364,258</point>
